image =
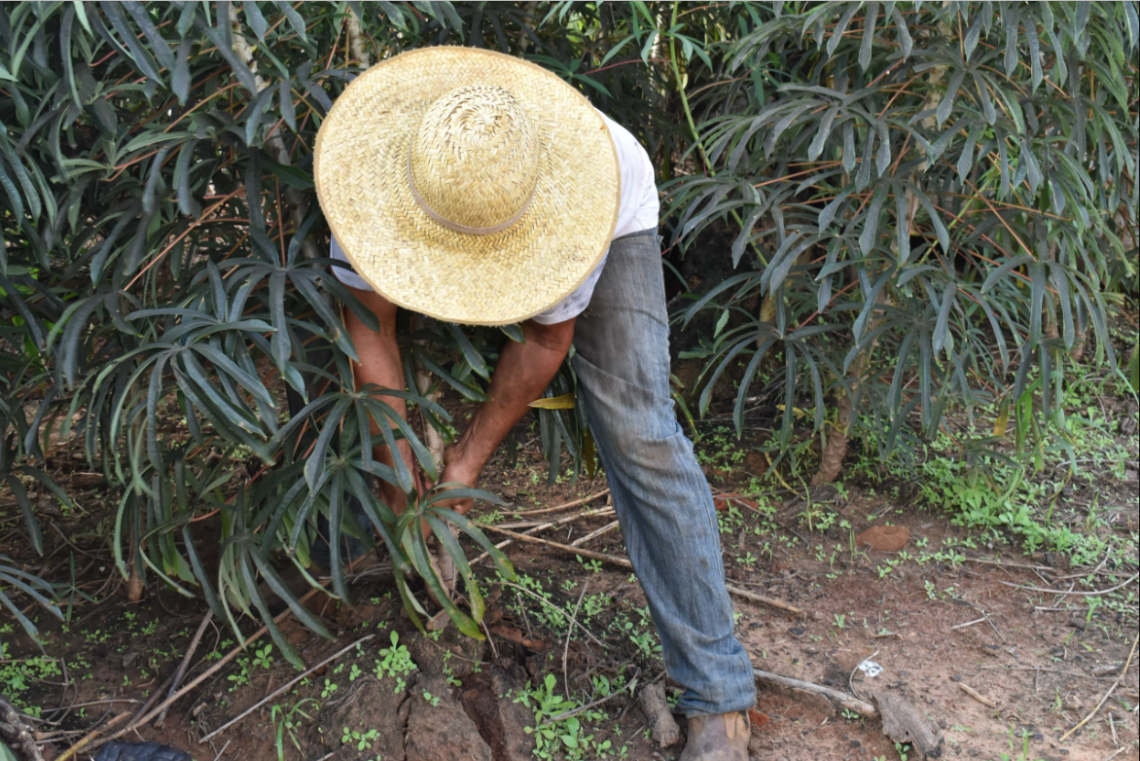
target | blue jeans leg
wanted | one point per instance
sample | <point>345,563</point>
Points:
<point>660,493</point>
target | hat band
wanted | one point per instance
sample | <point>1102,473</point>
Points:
<point>455,226</point>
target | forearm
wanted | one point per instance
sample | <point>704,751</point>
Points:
<point>380,365</point>
<point>523,373</point>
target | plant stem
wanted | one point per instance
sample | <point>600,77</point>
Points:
<point>685,99</point>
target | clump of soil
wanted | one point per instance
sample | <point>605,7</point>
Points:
<point>884,539</point>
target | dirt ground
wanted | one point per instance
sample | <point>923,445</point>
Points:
<point>945,614</point>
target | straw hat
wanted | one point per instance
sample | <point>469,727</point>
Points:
<point>468,185</point>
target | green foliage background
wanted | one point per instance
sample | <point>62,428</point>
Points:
<point>931,208</point>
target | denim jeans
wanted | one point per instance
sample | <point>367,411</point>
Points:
<point>660,494</point>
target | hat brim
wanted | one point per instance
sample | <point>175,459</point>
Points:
<point>361,160</point>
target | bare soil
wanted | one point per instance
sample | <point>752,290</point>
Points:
<point>1042,661</point>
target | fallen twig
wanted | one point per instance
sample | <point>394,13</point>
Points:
<point>769,601</point>
<point>1072,593</point>
<point>569,633</point>
<point>540,527</point>
<point>600,532</point>
<point>662,726</point>
<point>625,563</point>
<point>221,664</point>
<point>1108,695</point>
<point>583,709</point>
<point>567,506</point>
<point>15,731</point>
<point>977,695</point>
<point>842,699</point>
<point>612,559</point>
<point>178,677</point>
<point>285,688</point>
<point>1004,564</point>
<point>94,735</point>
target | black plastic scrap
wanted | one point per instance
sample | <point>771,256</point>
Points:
<point>140,752</point>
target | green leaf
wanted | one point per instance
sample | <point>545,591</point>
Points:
<point>1134,369</point>
<point>180,72</point>
<point>871,227</point>
<point>946,105</point>
<point>1006,267</point>
<point>906,42</point>
<point>827,215</point>
<point>292,176</point>
<point>984,98</point>
<point>1034,53</point>
<point>187,204</point>
<point>871,19</point>
<point>20,494</point>
<point>257,21</point>
<point>974,35</point>
<point>158,44</point>
<point>564,402</point>
<point>841,27</point>
<point>822,134</point>
<point>942,327</point>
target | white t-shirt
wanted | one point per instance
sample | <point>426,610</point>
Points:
<point>639,210</point>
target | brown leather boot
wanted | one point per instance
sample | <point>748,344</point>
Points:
<point>718,738</point>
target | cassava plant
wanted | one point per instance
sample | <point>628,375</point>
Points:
<point>165,294</point>
<point>926,201</point>
<point>937,201</point>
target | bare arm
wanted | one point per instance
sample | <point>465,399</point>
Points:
<point>522,374</point>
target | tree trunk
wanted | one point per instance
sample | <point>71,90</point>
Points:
<point>835,446</point>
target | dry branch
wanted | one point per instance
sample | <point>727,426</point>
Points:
<point>977,695</point>
<point>15,731</point>
<point>1108,695</point>
<point>600,532</point>
<point>904,723</point>
<point>624,563</point>
<point>273,695</point>
<point>662,726</point>
<point>567,506</point>
<point>842,699</point>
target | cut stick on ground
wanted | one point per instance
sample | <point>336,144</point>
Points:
<point>904,724</point>
<point>1108,695</point>
<point>624,563</point>
<point>15,731</point>
<point>206,619</point>
<point>977,695</point>
<point>600,532</point>
<point>841,699</point>
<point>541,527</point>
<point>603,557</point>
<point>567,506</point>
<point>662,726</point>
<point>273,695</point>
<point>1071,593</point>
<point>761,599</point>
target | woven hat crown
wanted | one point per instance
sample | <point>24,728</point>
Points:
<point>474,159</point>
